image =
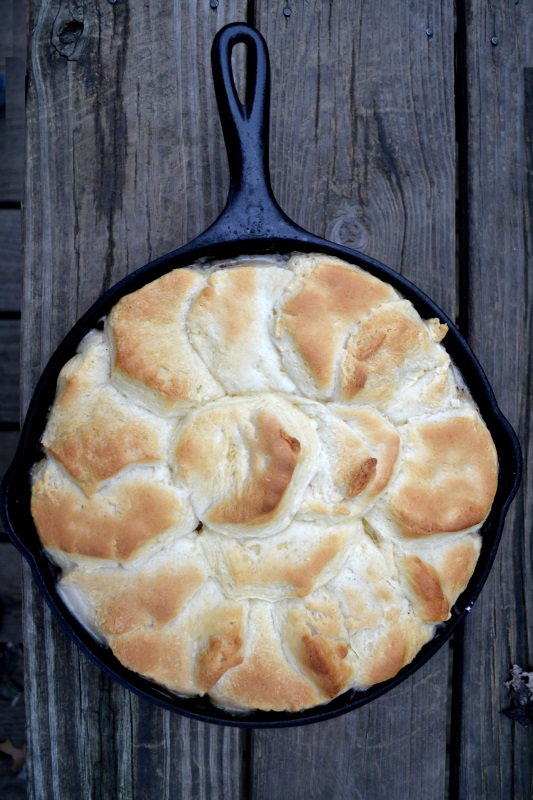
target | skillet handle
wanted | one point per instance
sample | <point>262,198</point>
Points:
<point>251,210</point>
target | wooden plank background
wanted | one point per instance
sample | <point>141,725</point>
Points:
<point>12,154</point>
<point>495,760</point>
<point>392,123</point>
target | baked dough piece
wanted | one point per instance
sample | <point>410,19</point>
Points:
<point>315,632</point>
<point>148,594</point>
<point>449,475</point>
<point>316,314</point>
<point>266,678</point>
<point>152,355</point>
<point>92,430</point>
<point>435,391</point>
<point>116,523</point>
<point>192,652</point>
<point>247,462</point>
<point>229,325</point>
<point>264,482</point>
<point>359,449</point>
<point>388,351</point>
<point>291,564</point>
<point>434,576</point>
<point>381,627</point>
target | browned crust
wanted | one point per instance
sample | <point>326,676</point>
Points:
<point>382,341</point>
<point>102,527</point>
<point>150,346</point>
<point>276,567</point>
<point>224,649</point>
<point>360,470</point>
<point>158,654</point>
<point>361,476</point>
<point>229,299</point>
<point>325,659</point>
<point>450,478</point>
<point>274,459</point>
<point>92,431</point>
<point>424,581</point>
<point>458,566</point>
<point>274,456</point>
<point>382,437</point>
<point>391,654</point>
<point>101,447</point>
<point>381,344</point>
<point>131,601</point>
<point>333,298</point>
<point>264,681</point>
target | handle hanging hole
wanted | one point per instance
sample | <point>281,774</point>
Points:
<point>239,55</point>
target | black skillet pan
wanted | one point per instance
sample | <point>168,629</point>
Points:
<point>251,223</point>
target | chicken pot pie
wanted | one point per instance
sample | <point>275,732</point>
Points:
<point>264,480</point>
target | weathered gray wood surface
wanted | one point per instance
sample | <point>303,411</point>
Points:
<point>10,259</point>
<point>495,758</point>
<point>9,369</point>
<point>13,67</point>
<point>363,152</point>
<point>126,162</point>
<point>10,596</point>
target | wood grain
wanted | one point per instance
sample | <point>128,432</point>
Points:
<point>10,259</point>
<point>496,754</point>
<point>10,595</point>
<point>363,152</point>
<point>125,164</point>
<point>9,370</point>
<point>12,151</point>
<point>6,32</point>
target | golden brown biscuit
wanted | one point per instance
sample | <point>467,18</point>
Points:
<point>247,462</point>
<point>265,679</point>
<point>117,523</point>
<point>152,354</point>
<point>229,324</point>
<point>92,430</point>
<point>359,449</point>
<point>315,632</point>
<point>151,593</point>
<point>388,350</point>
<point>434,576</point>
<point>318,311</point>
<point>448,478</point>
<point>291,564</point>
<point>192,652</point>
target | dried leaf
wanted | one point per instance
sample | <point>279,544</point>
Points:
<point>521,690</point>
<point>18,754</point>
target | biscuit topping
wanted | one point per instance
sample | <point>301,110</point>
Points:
<point>261,481</point>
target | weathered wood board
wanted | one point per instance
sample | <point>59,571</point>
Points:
<point>496,755</point>
<point>10,259</point>
<point>9,370</point>
<point>363,153</point>
<point>12,152</point>
<point>10,594</point>
<point>127,162</point>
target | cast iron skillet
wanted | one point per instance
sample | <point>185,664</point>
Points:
<point>251,223</point>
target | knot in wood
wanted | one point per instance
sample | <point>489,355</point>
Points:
<point>68,32</point>
<point>347,228</point>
